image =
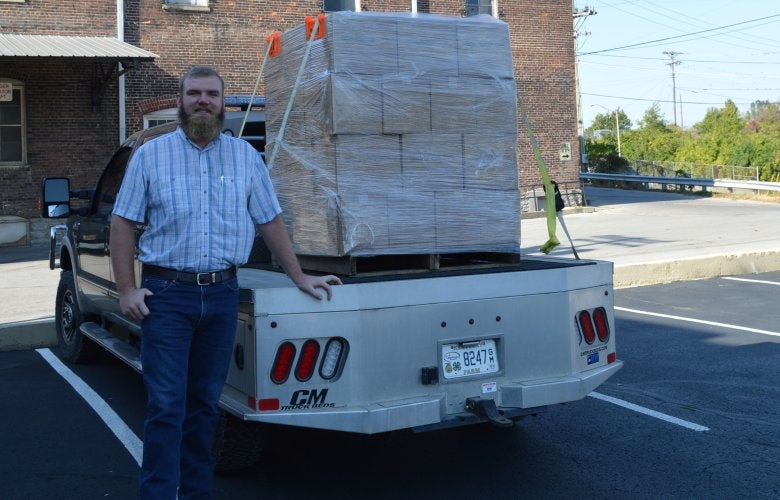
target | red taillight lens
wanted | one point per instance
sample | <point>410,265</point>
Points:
<point>283,363</point>
<point>586,327</point>
<point>602,323</point>
<point>308,360</point>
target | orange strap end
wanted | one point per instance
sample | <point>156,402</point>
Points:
<point>321,28</point>
<point>274,40</point>
<point>309,21</point>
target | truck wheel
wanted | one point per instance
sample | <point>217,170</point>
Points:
<point>238,444</point>
<point>74,346</point>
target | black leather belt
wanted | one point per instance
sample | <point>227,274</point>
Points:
<point>189,278</point>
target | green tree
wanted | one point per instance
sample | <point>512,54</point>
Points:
<point>722,132</point>
<point>602,142</point>
<point>765,125</point>
<point>604,124</point>
<point>654,140</point>
<point>723,137</point>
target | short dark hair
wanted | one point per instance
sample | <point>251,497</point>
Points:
<point>199,72</point>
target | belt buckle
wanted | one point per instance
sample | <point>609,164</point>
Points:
<point>211,278</point>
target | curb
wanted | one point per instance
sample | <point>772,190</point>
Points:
<point>25,335</point>
<point>654,273</point>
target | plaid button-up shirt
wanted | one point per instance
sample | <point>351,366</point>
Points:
<point>200,205</point>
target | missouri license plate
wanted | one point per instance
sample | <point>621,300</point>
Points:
<point>466,359</point>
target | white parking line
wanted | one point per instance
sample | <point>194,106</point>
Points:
<point>700,321</point>
<point>126,436</point>
<point>763,282</point>
<point>649,412</point>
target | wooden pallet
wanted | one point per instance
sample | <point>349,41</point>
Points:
<point>361,265</point>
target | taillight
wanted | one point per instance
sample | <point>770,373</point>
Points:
<point>306,358</point>
<point>307,361</point>
<point>586,327</point>
<point>334,352</point>
<point>283,363</point>
<point>602,323</point>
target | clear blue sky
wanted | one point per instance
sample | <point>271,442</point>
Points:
<point>727,49</point>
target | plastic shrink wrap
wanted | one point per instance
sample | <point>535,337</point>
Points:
<point>401,139</point>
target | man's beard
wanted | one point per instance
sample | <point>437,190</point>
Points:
<point>200,128</point>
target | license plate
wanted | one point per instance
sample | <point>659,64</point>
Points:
<point>466,359</point>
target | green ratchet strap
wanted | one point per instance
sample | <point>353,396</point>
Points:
<point>549,189</point>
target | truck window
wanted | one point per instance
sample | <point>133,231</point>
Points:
<point>110,181</point>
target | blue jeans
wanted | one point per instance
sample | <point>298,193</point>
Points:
<point>186,351</point>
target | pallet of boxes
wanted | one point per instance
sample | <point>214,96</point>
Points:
<point>400,142</point>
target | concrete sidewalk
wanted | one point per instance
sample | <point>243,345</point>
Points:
<point>656,237</point>
<point>650,237</point>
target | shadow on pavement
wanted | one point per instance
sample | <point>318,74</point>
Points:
<point>23,253</point>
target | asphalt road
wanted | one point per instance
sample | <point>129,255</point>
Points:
<point>695,413</point>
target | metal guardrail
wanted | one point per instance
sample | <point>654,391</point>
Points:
<point>684,181</point>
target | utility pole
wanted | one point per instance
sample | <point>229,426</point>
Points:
<point>617,127</point>
<point>674,62</point>
<point>577,14</point>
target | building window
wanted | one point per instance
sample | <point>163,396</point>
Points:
<point>160,116</point>
<point>335,5</point>
<point>197,5</point>
<point>13,149</point>
<point>477,7</point>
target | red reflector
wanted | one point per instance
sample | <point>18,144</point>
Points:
<point>602,323</point>
<point>586,327</point>
<point>308,360</point>
<point>268,404</point>
<point>611,357</point>
<point>283,363</point>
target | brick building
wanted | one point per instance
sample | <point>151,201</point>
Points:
<point>64,107</point>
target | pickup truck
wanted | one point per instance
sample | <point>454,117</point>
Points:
<point>475,339</point>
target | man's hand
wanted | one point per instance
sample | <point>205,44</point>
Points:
<point>132,303</point>
<point>309,284</point>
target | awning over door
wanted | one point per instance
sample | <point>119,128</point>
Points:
<point>93,48</point>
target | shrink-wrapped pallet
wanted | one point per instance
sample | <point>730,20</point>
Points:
<point>396,142</point>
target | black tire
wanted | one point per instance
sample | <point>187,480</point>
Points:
<point>74,346</point>
<point>238,444</point>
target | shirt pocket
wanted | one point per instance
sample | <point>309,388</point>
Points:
<point>178,194</point>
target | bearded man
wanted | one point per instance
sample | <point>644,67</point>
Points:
<point>201,195</point>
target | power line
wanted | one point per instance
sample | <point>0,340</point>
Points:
<point>640,44</point>
<point>643,99</point>
<point>687,60</point>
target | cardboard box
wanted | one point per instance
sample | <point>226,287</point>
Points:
<point>354,104</point>
<point>432,162</point>
<point>490,161</point>
<point>484,48</point>
<point>406,104</point>
<point>466,104</point>
<point>411,222</point>
<point>362,43</point>
<point>367,163</point>
<point>427,45</point>
<point>474,220</point>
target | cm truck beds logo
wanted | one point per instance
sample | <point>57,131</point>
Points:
<point>305,399</point>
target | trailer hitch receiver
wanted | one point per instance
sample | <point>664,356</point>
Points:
<point>487,408</point>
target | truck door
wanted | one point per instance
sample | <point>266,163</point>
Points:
<point>92,234</point>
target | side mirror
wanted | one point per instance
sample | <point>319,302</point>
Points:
<point>55,199</point>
